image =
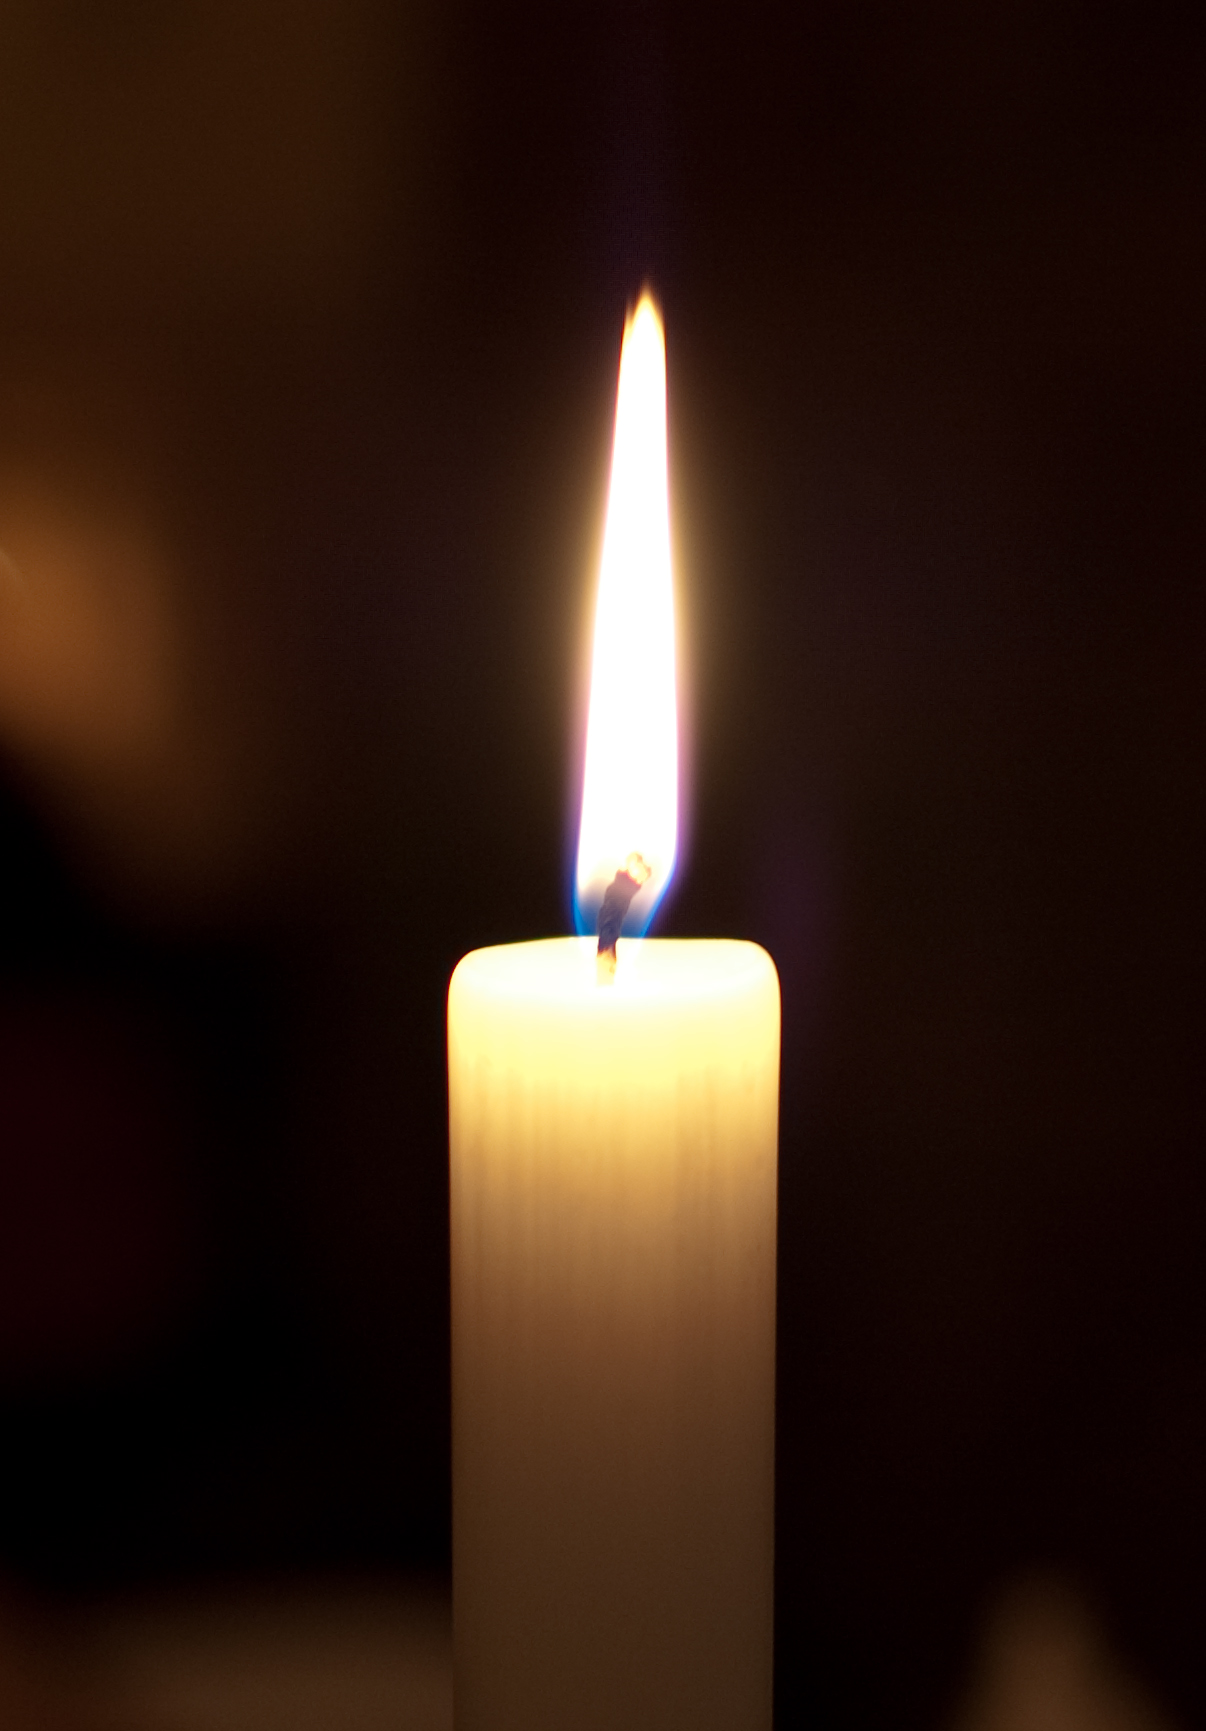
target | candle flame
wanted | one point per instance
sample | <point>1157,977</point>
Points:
<point>630,792</point>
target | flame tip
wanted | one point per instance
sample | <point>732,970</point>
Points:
<point>646,308</point>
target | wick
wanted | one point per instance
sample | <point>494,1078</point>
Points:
<point>620,892</point>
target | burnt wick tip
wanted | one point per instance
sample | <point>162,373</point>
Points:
<point>620,891</point>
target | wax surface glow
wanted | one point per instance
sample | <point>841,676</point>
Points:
<point>613,1282</point>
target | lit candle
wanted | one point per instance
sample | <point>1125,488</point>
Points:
<point>613,1185</point>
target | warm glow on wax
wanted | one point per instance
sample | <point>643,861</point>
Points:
<point>630,793</point>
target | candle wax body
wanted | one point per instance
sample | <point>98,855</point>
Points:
<point>613,1195</point>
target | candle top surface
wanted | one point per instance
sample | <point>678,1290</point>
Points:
<point>649,970</point>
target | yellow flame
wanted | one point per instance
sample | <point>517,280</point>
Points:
<point>630,793</point>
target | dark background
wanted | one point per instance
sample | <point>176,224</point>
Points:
<point>309,323</point>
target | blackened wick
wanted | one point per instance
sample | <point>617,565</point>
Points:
<point>617,901</point>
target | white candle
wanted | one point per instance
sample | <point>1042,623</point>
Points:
<point>613,1173</point>
<point>613,1280</point>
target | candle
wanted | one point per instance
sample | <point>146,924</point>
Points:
<point>613,1183</point>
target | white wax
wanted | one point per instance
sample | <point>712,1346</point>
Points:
<point>613,1169</point>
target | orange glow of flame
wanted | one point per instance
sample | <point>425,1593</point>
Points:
<point>630,792</point>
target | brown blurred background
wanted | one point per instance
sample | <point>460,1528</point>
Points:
<point>309,321</point>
